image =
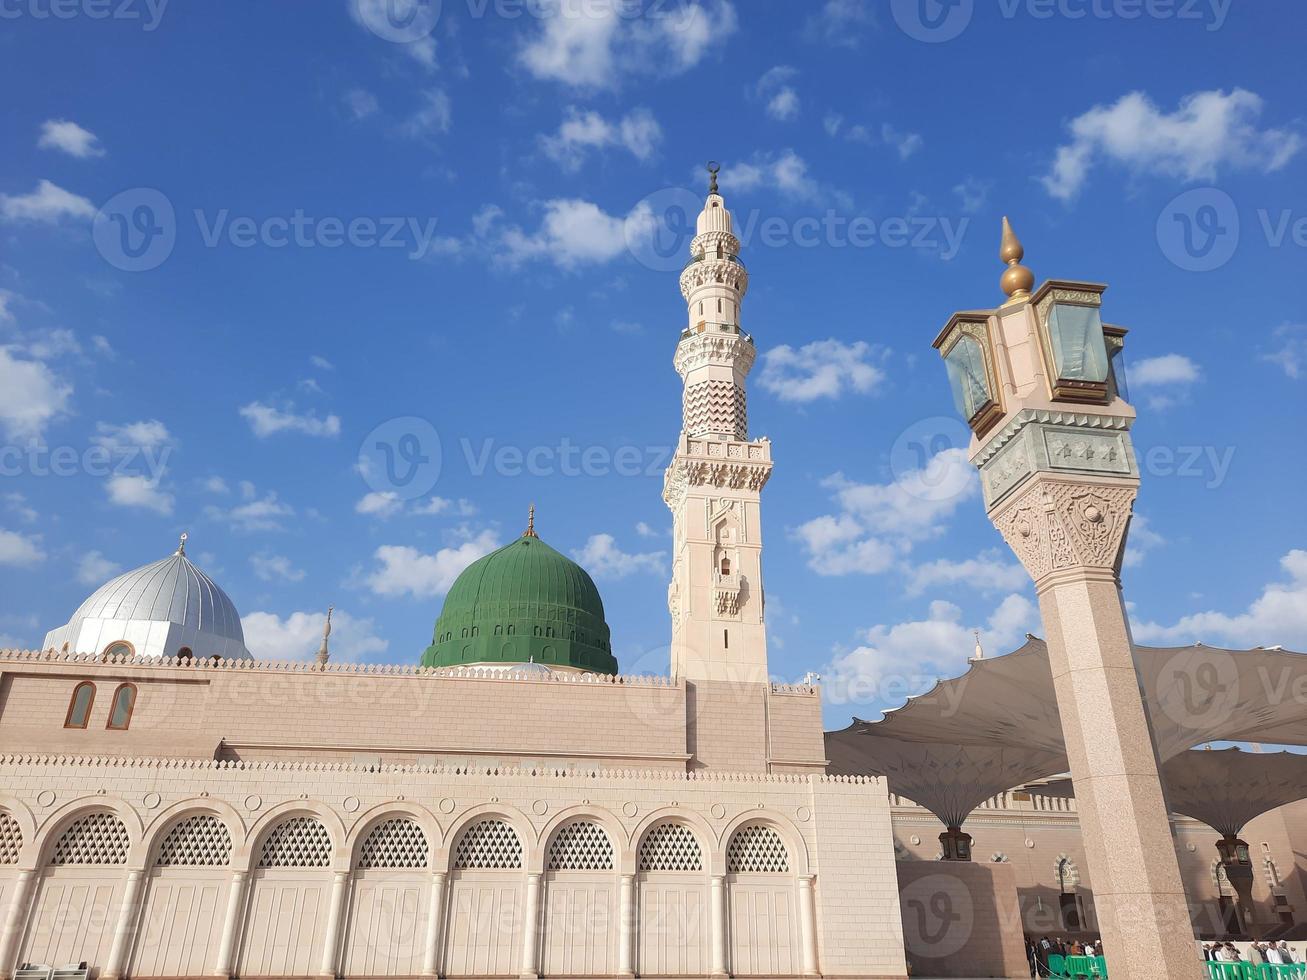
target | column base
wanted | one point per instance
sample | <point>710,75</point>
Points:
<point>528,975</point>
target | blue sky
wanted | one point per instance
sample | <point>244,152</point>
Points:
<point>242,244</point>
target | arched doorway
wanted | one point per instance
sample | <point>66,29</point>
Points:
<point>185,899</point>
<point>76,908</point>
<point>484,929</point>
<point>672,889</point>
<point>290,893</point>
<point>581,935</point>
<point>389,901</point>
<point>764,911</point>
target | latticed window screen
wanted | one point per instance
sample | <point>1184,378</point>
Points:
<point>756,848</point>
<point>581,846</point>
<point>489,844</point>
<point>97,838</point>
<point>670,847</point>
<point>395,843</point>
<point>300,842</point>
<point>200,841</point>
<point>11,839</point>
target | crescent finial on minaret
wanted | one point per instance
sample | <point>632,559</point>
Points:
<point>1017,280</point>
<point>714,168</point>
<point>181,544</point>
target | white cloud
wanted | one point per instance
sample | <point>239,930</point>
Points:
<point>821,369</point>
<point>573,232</point>
<point>1141,540</point>
<point>1276,617</point>
<point>1208,132</point>
<point>383,504</point>
<point>298,636</point>
<point>839,22</point>
<point>985,573</point>
<point>637,132</point>
<point>276,568</point>
<point>776,92</point>
<point>321,363</point>
<point>644,530</point>
<point>31,395</point>
<point>786,172</point>
<point>16,503</point>
<point>836,546</point>
<point>141,492</point>
<point>599,44</point>
<point>215,484</point>
<point>1291,354</point>
<point>603,559</point>
<point>403,570</point>
<point>7,297</point>
<point>265,420</point>
<point>898,660</point>
<point>48,203</point>
<point>256,513</point>
<point>973,193</point>
<point>360,103</point>
<point>65,135</point>
<point>150,434</point>
<point>95,569</point>
<point>433,117</point>
<point>1166,378</point>
<point>20,550</point>
<point>906,143</point>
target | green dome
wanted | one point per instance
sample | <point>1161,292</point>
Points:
<point>521,603</point>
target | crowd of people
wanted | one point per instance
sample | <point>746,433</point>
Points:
<point>1039,950</point>
<point>1272,952</point>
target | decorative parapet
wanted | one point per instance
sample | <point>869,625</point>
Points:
<point>806,689</point>
<point>309,667</point>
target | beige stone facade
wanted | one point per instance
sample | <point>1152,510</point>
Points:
<point>280,820</point>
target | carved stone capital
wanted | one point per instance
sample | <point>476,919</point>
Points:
<point>1055,525</point>
<point>708,272</point>
<point>733,350</point>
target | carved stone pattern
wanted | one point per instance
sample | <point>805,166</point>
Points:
<point>199,841</point>
<point>670,846</point>
<point>11,839</point>
<point>97,838</point>
<point>700,349</point>
<point>712,272</point>
<point>395,843</point>
<point>721,241</point>
<point>1053,526</point>
<point>300,842</point>
<point>737,476</point>
<point>489,844</point>
<point>581,846</point>
<point>757,849</point>
<point>716,406</point>
<point>727,601</point>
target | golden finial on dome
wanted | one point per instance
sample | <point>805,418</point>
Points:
<point>530,531</point>
<point>1017,280</point>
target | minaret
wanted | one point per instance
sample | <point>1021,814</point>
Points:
<point>714,483</point>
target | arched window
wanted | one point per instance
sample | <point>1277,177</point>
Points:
<point>757,848</point>
<point>120,648</point>
<point>300,842</point>
<point>670,846</point>
<point>199,841</point>
<point>488,844</point>
<point>79,708</point>
<point>726,566</point>
<point>97,838</point>
<point>11,839</point>
<point>120,710</point>
<point>581,846</point>
<point>395,843</point>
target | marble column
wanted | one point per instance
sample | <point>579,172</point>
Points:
<point>231,925</point>
<point>531,928</point>
<point>626,928</point>
<point>1070,535</point>
<point>435,922</point>
<point>128,911</point>
<point>718,926</point>
<point>15,918</point>
<point>808,925</point>
<point>335,923</point>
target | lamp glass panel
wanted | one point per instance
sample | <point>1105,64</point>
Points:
<point>1079,350</point>
<point>966,373</point>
